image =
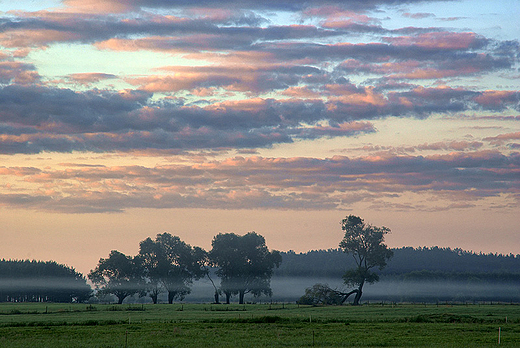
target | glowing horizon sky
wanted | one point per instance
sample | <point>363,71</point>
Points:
<point>122,119</point>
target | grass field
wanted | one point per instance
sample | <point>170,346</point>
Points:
<point>258,325</point>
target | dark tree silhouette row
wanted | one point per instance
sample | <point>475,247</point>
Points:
<point>168,264</point>
<point>407,263</point>
<point>37,281</point>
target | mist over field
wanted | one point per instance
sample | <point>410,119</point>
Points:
<point>27,284</point>
<point>290,289</point>
<point>427,275</point>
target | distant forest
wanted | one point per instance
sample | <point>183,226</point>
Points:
<point>38,281</point>
<point>408,264</point>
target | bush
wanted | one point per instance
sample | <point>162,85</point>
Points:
<point>321,294</point>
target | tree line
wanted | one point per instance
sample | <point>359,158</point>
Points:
<point>406,263</point>
<point>167,264</point>
<point>244,264</point>
<point>38,281</point>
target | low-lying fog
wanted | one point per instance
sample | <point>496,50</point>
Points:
<point>290,289</point>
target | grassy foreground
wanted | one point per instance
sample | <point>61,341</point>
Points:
<point>276,325</point>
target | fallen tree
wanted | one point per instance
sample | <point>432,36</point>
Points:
<point>322,294</point>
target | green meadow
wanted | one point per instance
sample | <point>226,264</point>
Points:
<point>258,325</point>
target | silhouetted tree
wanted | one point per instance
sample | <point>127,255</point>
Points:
<point>118,274</point>
<point>169,262</point>
<point>366,244</point>
<point>245,264</point>
<point>153,265</point>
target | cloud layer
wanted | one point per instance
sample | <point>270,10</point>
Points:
<point>465,179</point>
<point>248,76</point>
<point>255,85</point>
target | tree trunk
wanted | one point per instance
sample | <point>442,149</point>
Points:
<point>154,297</point>
<point>347,295</point>
<point>171,296</point>
<point>356,299</point>
<point>228,296</point>
<point>214,286</point>
<point>358,294</point>
<point>121,295</point>
<point>241,294</point>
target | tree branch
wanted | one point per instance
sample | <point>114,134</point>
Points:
<point>346,295</point>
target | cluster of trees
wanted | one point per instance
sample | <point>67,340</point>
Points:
<point>37,281</point>
<point>245,265</point>
<point>168,264</point>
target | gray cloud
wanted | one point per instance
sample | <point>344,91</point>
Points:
<point>290,5</point>
<point>36,118</point>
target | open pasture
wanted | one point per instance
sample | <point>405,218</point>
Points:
<point>258,325</point>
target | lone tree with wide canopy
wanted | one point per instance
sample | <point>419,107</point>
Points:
<point>245,264</point>
<point>366,244</point>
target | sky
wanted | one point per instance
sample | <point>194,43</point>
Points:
<point>122,119</point>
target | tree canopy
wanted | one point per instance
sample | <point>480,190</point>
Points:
<point>170,263</point>
<point>245,265</point>
<point>118,274</point>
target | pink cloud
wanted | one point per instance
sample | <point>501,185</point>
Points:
<point>101,6</point>
<point>128,44</point>
<point>231,77</point>
<point>35,38</point>
<point>439,40</point>
<point>301,92</point>
<point>88,78</point>
<point>17,72</point>
<point>422,69</point>
<point>335,16</point>
<point>503,138</point>
<point>492,98</point>
<point>354,97</point>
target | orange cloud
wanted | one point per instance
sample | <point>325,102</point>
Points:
<point>249,105</point>
<point>100,6</point>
